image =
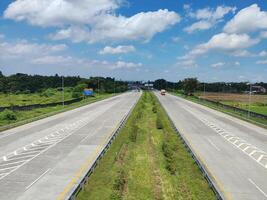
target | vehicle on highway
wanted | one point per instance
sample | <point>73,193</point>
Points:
<point>163,92</point>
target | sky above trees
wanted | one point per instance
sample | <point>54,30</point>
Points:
<point>136,40</point>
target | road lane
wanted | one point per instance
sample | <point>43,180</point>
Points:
<point>233,151</point>
<point>47,158</point>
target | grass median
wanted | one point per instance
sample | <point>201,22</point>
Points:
<point>147,161</point>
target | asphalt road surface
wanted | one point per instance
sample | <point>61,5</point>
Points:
<point>46,159</point>
<point>233,151</point>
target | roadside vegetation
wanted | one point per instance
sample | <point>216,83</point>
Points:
<point>27,90</point>
<point>147,161</point>
<point>10,119</point>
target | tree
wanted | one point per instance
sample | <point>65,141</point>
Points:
<point>190,85</point>
<point>78,90</point>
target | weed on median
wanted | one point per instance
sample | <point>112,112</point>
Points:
<point>147,161</point>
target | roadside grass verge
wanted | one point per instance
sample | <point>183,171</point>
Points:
<point>254,120</point>
<point>10,119</point>
<point>147,161</point>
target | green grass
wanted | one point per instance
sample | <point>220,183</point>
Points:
<point>48,96</point>
<point>255,120</point>
<point>254,107</point>
<point>146,162</point>
<point>23,117</point>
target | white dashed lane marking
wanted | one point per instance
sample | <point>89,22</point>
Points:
<point>11,162</point>
<point>252,151</point>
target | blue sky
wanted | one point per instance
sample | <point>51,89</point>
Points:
<point>136,40</point>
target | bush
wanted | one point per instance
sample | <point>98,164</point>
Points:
<point>48,93</point>
<point>78,91</point>
<point>8,115</point>
<point>159,122</point>
<point>154,109</point>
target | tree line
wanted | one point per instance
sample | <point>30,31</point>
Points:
<point>190,85</point>
<point>24,83</point>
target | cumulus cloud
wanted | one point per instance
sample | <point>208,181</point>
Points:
<point>117,50</point>
<point>208,17</point>
<point>225,42</point>
<point>125,65</point>
<point>261,62</point>
<point>247,20</point>
<point>237,63</point>
<point>24,48</point>
<point>116,28</point>
<point>263,34</point>
<point>219,64</point>
<point>187,63</point>
<point>90,20</point>
<point>263,53</point>
<point>242,53</point>
<point>59,12</point>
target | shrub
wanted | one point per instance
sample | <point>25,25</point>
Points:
<point>159,122</point>
<point>8,115</point>
<point>154,109</point>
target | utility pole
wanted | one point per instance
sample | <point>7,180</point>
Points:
<point>249,100</point>
<point>98,86</point>
<point>114,86</point>
<point>63,97</point>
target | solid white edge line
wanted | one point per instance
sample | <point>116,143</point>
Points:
<point>264,194</point>
<point>37,179</point>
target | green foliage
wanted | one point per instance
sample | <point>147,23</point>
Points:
<point>78,90</point>
<point>8,115</point>
<point>154,109</point>
<point>48,93</point>
<point>190,85</point>
<point>159,123</point>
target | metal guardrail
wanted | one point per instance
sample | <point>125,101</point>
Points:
<point>34,106</point>
<point>235,109</point>
<point>114,135</point>
<point>219,195</point>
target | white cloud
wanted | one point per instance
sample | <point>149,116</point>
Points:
<point>242,53</point>
<point>200,25</point>
<point>24,48</point>
<point>261,62</point>
<point>59,12</point>
<point>119,28</point>
<point>263,34</point>
<point>237,63</point>
<point>186,6</point>
<point>187,63</point>
<point>125,65</point>
<point>176,39</point>
<point>90,20</point>
<point>219,64</point>
<point>117,50</point>
<point>263,53</point>
<point>52,60</point>
<point>208,17</point>
<point>247,20</point>
<point>224,42</point>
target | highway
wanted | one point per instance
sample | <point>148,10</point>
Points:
<point>233,151</point>
<point>46,159</point>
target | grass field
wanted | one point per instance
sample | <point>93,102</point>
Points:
<point>258,102</point>
<point>48,96</point>
<point>147,161</point>
<point>22,117</point>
